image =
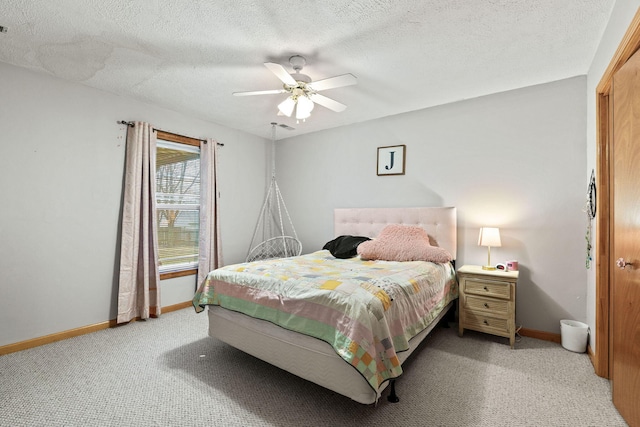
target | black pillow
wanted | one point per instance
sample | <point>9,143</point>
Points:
<point>345,246</point>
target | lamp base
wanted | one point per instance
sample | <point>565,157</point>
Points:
<point>488,267</point>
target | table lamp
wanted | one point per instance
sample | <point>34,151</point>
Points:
<point>489,236</point>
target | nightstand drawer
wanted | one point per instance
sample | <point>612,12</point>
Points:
<point>487,288</point>
<point>479,322</point>
<point>490,305</point>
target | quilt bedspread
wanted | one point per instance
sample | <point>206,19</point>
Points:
<point>366,310</point>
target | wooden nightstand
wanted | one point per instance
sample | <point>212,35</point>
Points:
<point>487,301</point>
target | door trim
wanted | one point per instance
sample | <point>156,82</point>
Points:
<point>628,46</point>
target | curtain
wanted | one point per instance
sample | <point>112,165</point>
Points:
<point>210,250</point>
<point>139,284</point>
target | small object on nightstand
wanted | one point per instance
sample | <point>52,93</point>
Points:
<point>487,301</point>
<point>512,265</point>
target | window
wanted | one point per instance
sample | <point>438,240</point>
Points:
<point>177,203</point>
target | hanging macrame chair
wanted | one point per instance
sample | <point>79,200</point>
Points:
<point>272,238</point>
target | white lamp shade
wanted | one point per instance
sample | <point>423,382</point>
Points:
<point>286,106</point>
<point>305,105</point>
<point>489,236</point>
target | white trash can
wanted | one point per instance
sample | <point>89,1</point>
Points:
<point>574,335</point>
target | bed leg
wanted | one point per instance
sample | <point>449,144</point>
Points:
<point>393,397</point>
<point>449,317</point>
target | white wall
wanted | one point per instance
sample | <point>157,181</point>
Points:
<point>514,160</point>
<point>621,16</point>
<point>61,172</point>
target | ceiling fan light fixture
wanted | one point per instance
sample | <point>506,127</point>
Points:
<point>286,106</point>
<point>302,90</point>
<point>304,108</point>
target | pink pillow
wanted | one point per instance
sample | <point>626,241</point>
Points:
<point>402,243</point>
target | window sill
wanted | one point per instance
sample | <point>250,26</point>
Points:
<point>182,273</point>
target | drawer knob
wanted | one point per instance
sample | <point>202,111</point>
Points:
<point>486,305</point>
<point>486,289</point>
<point>485,322</point>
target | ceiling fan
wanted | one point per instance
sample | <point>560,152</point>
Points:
<point>303,91</point>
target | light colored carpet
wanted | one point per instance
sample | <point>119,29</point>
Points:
<point>168,372</point>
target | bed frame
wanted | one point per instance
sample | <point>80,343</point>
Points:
<point>313,359</point>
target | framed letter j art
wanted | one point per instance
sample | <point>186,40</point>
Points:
<point>391,160</point>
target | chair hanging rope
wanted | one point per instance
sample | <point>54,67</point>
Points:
<point>273,238</point>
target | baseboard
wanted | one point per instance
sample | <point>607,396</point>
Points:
<point>541,335</point>
<point>59,336</point>
<point>600,370</point>
<point>35,342</point>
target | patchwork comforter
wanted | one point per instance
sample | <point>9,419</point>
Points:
<point>366,310</point>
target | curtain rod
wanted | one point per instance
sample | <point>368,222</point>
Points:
<point>130,124</point>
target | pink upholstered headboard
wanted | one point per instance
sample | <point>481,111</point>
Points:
<point>440,223</point>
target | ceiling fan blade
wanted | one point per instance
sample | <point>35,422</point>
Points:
<point>337,81</point>
<point>328,103</point>
<point>260,92</point>
<point>281,73</point>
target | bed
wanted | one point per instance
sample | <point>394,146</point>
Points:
<point>300,337</point>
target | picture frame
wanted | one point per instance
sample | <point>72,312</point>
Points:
<point>391,160</point>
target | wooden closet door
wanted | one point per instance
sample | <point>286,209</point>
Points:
<point>625,290</point>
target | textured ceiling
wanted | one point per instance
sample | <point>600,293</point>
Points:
<point>190,56</point>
